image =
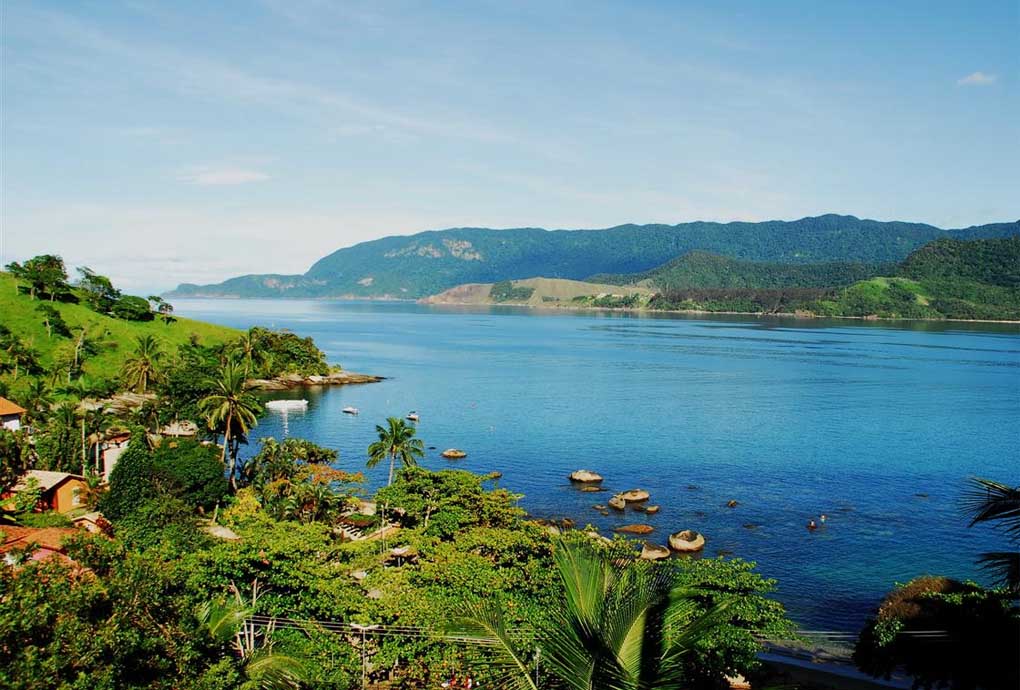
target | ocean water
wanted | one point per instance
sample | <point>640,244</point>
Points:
<point>877,425</point>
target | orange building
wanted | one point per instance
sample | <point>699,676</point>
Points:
<point>60,491</point>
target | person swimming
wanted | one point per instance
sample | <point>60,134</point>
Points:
<point>811,525</point>
<point>823,517</point>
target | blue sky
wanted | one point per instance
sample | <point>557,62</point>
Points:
<point>162,142</point>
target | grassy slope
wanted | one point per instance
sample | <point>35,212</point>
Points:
<point>17,312</point>
<point>556,289</point>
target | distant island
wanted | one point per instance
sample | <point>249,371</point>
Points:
<point>808,252</point>
<point>945,279</point>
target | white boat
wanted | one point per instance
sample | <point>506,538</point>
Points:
<point>286,405</point>
<point>350,410</point>
<point>413,416</point>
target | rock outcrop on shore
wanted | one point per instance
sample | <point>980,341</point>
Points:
<point>653,552</point>
<point>288,381</point>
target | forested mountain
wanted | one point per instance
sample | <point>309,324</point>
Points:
<point>700,269</point>
<point>429,262</point>
<point>947,278</point>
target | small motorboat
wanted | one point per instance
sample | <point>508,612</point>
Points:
<point>350,410</point>
<point>286,405</point>
<point>412,416</point>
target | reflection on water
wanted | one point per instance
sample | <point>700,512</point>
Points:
<point>791,418</point>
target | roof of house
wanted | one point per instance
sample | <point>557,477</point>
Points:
<point>52,538</point>
<point>47,480</point>
<point>7,407</point>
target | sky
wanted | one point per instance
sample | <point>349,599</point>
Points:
<point>168,142</point>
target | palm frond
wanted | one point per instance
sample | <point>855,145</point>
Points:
<point>988,500</point>
<point>272,670</point>
<point>222,619</point>
<point>484,623</point>
<point>1004,566</point>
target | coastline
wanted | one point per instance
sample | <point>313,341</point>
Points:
<point>424,301</point>
<point>291,381</point>
<point>807,316</point>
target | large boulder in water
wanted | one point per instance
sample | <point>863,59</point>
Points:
<point>617,503</point>
<point>585,477</point>
<point>453,454</point>
<point>635,529</point>
<point>686,541</point>
<point>635,496</point>
<point>653,552</point>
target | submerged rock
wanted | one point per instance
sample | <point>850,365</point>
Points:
<point>686,541</point>
<point>732,503</point>
<point>591,489</point>
<point>585,477</point>
<point>635,529</point>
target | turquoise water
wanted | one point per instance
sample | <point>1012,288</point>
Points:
<point>876,425</point>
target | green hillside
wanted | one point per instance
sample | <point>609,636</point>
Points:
<point>700,269</point>
<point>113,338</point>
<point>946,279</point>
<point>430,262</point>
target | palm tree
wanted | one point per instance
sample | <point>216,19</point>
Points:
<point>990,501</point>
<point>229,622</point>
<point>395,441</point>
<point>142,368</point>
<point>246,346</point>
<point>38,399</point>
<point>230,409</point>
<point>619,628</point>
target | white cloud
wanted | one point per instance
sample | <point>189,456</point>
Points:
<point>222,176</point>
<point>977,79</point>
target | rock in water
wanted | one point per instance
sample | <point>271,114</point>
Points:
<point>591,489</point>
<point>635,529</point>
<point>686,541</point>
<point>617,503</point>
<point>732,504</point>
<point>635,496</point>
<point>654,552</point>
<point>453,454</point>
<point>651,509</point>
<point>585,477</point>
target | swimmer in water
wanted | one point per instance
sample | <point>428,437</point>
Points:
<point>811,524</point>
<point>823,517</point>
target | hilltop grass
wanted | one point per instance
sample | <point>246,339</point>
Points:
<point>18,313</point>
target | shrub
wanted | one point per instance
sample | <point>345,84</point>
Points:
<point>976,648</point>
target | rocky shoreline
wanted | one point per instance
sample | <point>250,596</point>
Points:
<point>290,381</point>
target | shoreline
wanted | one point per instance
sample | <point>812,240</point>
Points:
<point>621,310</point>
<point>703,312</point>
<point>292,381</point>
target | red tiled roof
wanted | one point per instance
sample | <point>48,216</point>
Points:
<point>51,538</point>
<point>7,407</point>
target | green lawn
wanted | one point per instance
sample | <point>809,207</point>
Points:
<point>18,313</point>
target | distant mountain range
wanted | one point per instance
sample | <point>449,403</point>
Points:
<point>415,266</point>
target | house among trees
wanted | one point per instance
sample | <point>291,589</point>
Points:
<point>59,491</point>
<point>10,415</point>
<point>111,449</point>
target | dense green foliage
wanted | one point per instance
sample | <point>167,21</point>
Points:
<point>974,644</point>
<point>506,292</point>
<point>954,279</point>
<point>700,269</point>
<point>430,262</point>
<point>184,469</point>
